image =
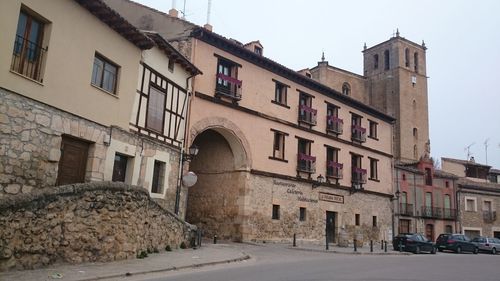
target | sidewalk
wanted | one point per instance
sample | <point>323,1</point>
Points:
<point>333,248</point>
<point>208,254</point>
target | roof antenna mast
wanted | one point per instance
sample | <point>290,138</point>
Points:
<point>209,11</point>
<point>184,10</point>
<point>467,148</point>
<point>486,149</point>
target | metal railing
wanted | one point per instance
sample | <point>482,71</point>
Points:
<point>358,133</point>
<point>405,209</point>
<point>358,175</point>
<point>334,169</point>
<point>431,212</point>
<point>489,216</point>
<point>27,58</point>
<point>334,124</point>
<point>307,114</point>
<point>228,86</point>
<point>306,163</point>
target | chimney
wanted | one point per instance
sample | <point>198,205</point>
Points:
<point>208,26</point>
<point>173,13</point>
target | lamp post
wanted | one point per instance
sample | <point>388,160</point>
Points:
<point>186,157</point>
<point>319,180</point>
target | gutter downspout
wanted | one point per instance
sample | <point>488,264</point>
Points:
<point>415,198</point>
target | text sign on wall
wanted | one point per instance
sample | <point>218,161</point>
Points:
<point>331,197</point>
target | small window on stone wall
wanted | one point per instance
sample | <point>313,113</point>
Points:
<point>357,219</point>
<point>276,212</point>
<point>158,177</point>
<point>374,218</point>
<point>302,214</point>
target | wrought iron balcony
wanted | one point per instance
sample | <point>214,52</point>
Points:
<point>431,212</point>
<point>307,114</point>
<point>449,214</point>
<point>334,124</point>
<point>489,216</point>
<point>227,86</point>
<point>334,169</point>
<point>306,163</point>
<point>358,133</point>
<point>27,58</point>
<point>358,175</point>
<point>405,209</point>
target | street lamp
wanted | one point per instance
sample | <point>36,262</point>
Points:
<point>192,152</point>
<point>319,180</point>
<point>189,179</point>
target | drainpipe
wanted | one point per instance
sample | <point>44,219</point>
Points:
<point>415,198</point>
<point>183,143</point>
<point>457,204</point>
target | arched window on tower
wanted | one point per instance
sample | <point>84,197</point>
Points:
<point>415,58</point>
<point>346,89</point>
<point>375,61</point>
<point>387,60</point>
<point>407,57</point>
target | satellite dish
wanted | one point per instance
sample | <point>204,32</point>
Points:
<point>189,179</point>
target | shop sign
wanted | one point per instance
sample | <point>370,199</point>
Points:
<point>331,197</point>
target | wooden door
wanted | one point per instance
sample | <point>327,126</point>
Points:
<point>73,161</point>
<point>330,226</point>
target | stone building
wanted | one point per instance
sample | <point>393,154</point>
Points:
<point>267,135</point>
<point>75,85</point>
<point>394,81</point>
<point>426,199</point>
<point>478,198</point>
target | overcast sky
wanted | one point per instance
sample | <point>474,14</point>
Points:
<point>463,55</point>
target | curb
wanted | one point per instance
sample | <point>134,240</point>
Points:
<point>197,265</point>
<point>352,253</point>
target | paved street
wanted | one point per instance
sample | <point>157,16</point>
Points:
<point>275,262</point>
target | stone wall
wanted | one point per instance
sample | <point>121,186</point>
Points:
<point>476,219</point>
<point>89,222</point>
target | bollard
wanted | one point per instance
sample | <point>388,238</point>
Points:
<point>381,244</point>
<point>199,238</point>
<point>385,246</point>
<point>400,246</point>
<point>295,240</point>
<point>355,246</point>
<point>371,246</point>
<point>215,239</point>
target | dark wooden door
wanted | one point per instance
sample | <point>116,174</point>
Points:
<point>330,226</point>
<point>73,161</point>
<point>429,232</point>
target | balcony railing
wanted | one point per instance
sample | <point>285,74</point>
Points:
<point>449,214</point>
<point>228,86</point>
<point>431,212</point>
<point>307,114</point>
<point>405,209</point>
<point>306,163</point>
<point>334,169</point>
<point>27,58</point>
<point>358,133</point>
<point>489,216</point>
<point>334,124</point>
<point>358,175</point>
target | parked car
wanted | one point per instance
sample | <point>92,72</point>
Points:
<point>455,242</point>
<point>487,244</point>
<point>413,242</point>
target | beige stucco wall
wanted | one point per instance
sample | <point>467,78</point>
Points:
<point>454,168</point>
<point>258,92</point>
<point>335,79</point>
<point>73,36</point>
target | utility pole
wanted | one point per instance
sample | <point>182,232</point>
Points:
<point>486,149</point>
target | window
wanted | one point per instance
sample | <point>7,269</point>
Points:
<point>279,145</point>
<point>306,113</point>
<point>428,176</point>
<point>227,83</point>
<point>447,183</point>
<point>280,93</point>
<point>447,207</point>
<point>387,61</point>
<point>358,173</point>
<point>404,226</point>
<point>487,206</point>
<point>120,168</point>
<point>415,58</point>
<point>155,110</point>
<point>346,89</point>
<point>375,61</point>
<point>358,133</point>
<point>404,177</point>
<point>407,57</point>
<point>470,204</point>
<point>305,162</point>
<point>448,229</point>
<point>333,167</point>
<point>302,214</point>
<point>374,221</point>
<point>373,129</point>
<point>276,212</point>
<point>373,169</point>
<point>427,211</point>
<point>357,219</point>
<point>415,133</point>
<point>258,50</point>
<point>104,74</point>
<point>158,177</point>
<point>171,64</point>
<point>333,122</point>
<point>28,53</point>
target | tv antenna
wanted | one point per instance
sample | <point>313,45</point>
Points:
<point>184,10</point>
<point>209,11</point>
<point>467,148</point>
<point>486,149</point>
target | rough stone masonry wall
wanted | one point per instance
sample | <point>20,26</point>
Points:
<point>100,221</point>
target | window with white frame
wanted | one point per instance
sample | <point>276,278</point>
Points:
<point>470,204</point>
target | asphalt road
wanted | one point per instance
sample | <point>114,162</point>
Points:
<point>273,263</point>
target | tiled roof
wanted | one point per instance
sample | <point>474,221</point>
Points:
<point>488,186</point>
<point>494,171</point>
<point>115,21</point>
<point>463,162</point>
<point>443,174</point>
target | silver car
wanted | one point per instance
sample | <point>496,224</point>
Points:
<point>487,244</point>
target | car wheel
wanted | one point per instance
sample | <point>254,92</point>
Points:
<point>417,250</point>
<point>439,249</point>
<point>458,250</point>
<point>476,250</point>
<point>494,251</point>
<point>433,251</point>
